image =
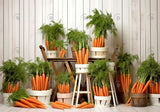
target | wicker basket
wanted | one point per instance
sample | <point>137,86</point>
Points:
<point>81,68</point>
<point>5,98</point>
<point>98,52</point>
<point>102,101</point>
<point>51,54</point>
<point>139,100</point>
<point>65,97</point>
<point>154,99</point>
<point>43,96</point>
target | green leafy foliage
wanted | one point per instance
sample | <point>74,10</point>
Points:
<point>60,44</point>
<point>99,70</point>
<point>149,70</point>
<point>124,61</point>
<point>63,78</point>
<point>19,94</point>
<point>14,71</point>
<point>101,23</point>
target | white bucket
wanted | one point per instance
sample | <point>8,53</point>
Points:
<point>5,98</point>
<point>98,52</point>
<point>154,99</point>
<point>81,68</point>
<point>102,101</point>
<point>43,96</point>
<point>111,65</point>
<point>65,97</point>
<point>51,54</point>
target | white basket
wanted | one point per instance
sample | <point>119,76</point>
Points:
<point>154,99</point>
<point>43,96</point>
<point>111,65</point>
<point>81,68</point>
<point>102,101</point>
<point>98,52</point>
<point>65,97</point>
<point>5,98</point>
<point>51,54</point>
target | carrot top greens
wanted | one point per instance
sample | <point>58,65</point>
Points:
<point>63,78</point>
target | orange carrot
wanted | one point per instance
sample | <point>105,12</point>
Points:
<point>46,83</point>
<point>27,103</point>
<point>47,45</point>
<point>68,88</point>
<point>83,55</point>
<point>60,54</point>
<point>40,82</point>
<point>77,57</point>
<point>39,106</point>
<point>88,106</point>
<point>86,57</point>
<point>140,87</point>
<point>104,90</point>
<point>97,91</point>
<point>74,43</point>
<point>96,42</point>
<point>102,40</point>
<point>133,88</point>
<point>54,105</point>
<point>146,86</point>
<point>157,88</point>
<point>107,91</point>
<point>37,82</point>
<point>43,81</point>
<point>129,100</point>
<point>61,103</point>
<point>17,86</point>
<point>82,104</point>
<point>100,92</point>
<point>33,100</point>
<point>19,104</point>
<point>80,56</point>
<point>94,91</point>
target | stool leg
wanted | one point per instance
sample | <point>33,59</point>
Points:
<point>74,89</point>
<point>91,96</point>
<point>112,90</point>
<point>88,92</point>
<point>79,83</point>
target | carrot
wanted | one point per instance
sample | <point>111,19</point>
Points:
<point>60,54</point>
<point>63,88</point>
<point>133,88</point>
<point>78,60</point>
<point>146,86</point>
<point>86,56</point>
<point>140,88</point>
<point>54,105</point>
<point>107,91</point>
<point>137,87</point>
<point>104,91</point>
<point>46,83</point>
<point>40,82</point>
<point>157,87</point>
<point>74,43</point>
<point>83,55</point>
<point>94,91</point>
<point>96,42</point>
<point>17,86</point>
<point>122,83</point>
<point>80,56</point>
<point>97,91</point>
<point>68,88</point>
<point>88,106</point>
<point>34,100</point>
<point>27,103</point>
<point>37,82</point>
<point>100,92</point>
<point>61,103</point>
<point>63,53</point>
<point>47,45</point>
<point>82,104</point>
<point>39,106</point>
<point>102,40</point>
<point>129,100</point>
<point>19,104</point>
<point>43,81</point>
<point>130,104</point>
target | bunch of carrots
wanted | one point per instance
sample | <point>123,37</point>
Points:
<point>64,88</point>
<point>85,105</point>
<point>99,42</point>
<point>11,89</point>
<point>50,46</point>
<point>100,91</point>
<point>62,53</point>
<point>60,105</point>
<point>20,98</point>
<point>125,83</point>
<point>40,82</point>
<point>154,88</point>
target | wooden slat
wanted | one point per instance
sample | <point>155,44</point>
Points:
<point>79,15</point>
<point>1,30</point>
<point>159,31</point>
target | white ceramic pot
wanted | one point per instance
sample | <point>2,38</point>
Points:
<point>65,97</point>
<point>98,52</point>
<point>51,54</point>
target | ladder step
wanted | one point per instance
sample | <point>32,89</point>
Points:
<point>82,92</point>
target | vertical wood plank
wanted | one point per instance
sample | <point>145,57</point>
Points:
<point>143,34</point>
<point>148,27</point>
<point>21,30</point>
<point>158,31</point>
<point>49,13</point>
<point>39,18</point>
<point>154,28</point>
<point>79,15</point>
<point>55,11</point>
<point>15,28</point>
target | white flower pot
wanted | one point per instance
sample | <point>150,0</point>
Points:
<point>51,54</point>
<point>98,52</point>
<point>102,101</point>
<point>43,96</point>
<point>5,98</point>
<point>154,99</point>
<point>111,65</point>
<point>81,68</point>
<point>65,97</point>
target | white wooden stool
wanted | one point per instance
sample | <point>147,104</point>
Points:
<point>82,69</point>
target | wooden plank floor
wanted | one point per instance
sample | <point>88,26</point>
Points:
<point>119,108</point>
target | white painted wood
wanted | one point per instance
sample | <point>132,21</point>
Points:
<point>158,31</point>
<point>154,28</point>
<point>79,15</point>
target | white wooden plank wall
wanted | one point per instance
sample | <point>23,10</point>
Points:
<point>138,23</point>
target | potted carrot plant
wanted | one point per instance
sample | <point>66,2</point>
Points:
<point>51,33</point>
<point>14,75</point>
<point>124,63</point>
<point>99,71</point>
<point>147,73</point>
<point>102,23</point>
<point>65,94</point>
<point>40,72</point>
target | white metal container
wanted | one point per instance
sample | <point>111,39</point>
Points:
<point>43,96</point>
<point>5,98</point>
<point>51,54</point>
<point>81,68</point>
<point>65,97</point>
<point>102,101</point>
<point>154,99</point>
<point>98,52</point>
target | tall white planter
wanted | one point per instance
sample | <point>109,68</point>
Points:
<point>65,97</point>
<point>51,54</point>
<point>98,52</point>
<point>154,99</point>
<point>5,98</point>
<point>102,101</point>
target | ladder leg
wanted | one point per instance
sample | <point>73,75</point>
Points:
<point>79,83</point>
<point>91,96</point>
<point>88,94</point>
<point>74,89</point>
